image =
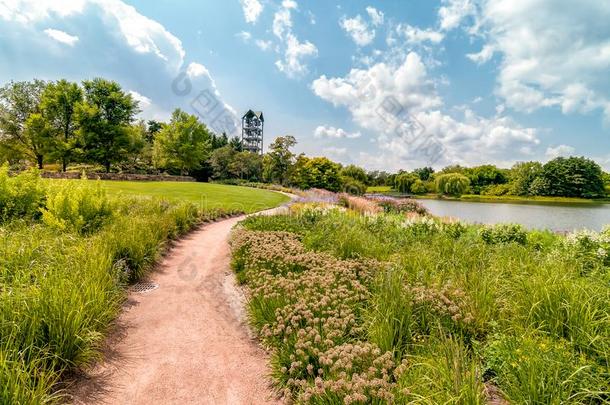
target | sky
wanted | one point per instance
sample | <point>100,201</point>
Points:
<point>388,85</point>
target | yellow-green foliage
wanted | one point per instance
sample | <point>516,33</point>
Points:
<point>20,196</point>
<point>77,206</point>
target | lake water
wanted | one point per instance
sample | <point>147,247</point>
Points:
<point>556,217</point>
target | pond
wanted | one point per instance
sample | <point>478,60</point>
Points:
<point>556,217</point>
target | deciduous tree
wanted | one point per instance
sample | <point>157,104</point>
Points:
<point>58,105</point>
<point>183,144</point>
<point>18,101</point>
<point>104,119</point>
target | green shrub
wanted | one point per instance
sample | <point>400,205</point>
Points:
<point>592,249</point>
<point>77,206</point>
<point>353,186</point>
<point>503,233</point>
<point>21,196</point>
<point>497,189</point>
<point>401,205</point>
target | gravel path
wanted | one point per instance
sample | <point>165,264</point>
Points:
<point>186,342</point>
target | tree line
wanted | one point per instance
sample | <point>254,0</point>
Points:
<point>560,177</point>
<point>73,125</point>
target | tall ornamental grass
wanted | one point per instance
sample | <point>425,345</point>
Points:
<point>395,308</point>
<point>67,251</point>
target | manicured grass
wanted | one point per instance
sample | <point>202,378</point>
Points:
<point>204,195</point>
<point>379,189</point>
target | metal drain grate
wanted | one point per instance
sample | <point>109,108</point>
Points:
<point>144,287</point>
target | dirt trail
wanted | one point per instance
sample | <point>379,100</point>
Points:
<point>186,342</point>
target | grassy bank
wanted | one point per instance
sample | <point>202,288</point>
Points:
<point>492,198</point>
<point>408,309</point>
<point>68,250</point>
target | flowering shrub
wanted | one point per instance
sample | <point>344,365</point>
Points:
<point>307,305</point>
<point>503,233</point>
<point>591,248</point>
<point>400,205</point>
<point>419,225</point>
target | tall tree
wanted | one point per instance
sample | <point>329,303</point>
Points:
<point>356,173</point>
<point>104,119</point>
<point>278,161</point>
<point>247,165</point>
<point>152,129</point>
<point>183,144</point>
<point>317,172</point>
<point>572,177</point>
<point>58,104</point>
<point>424,173</point>
<point>18,101</point>
<point>522,175</point>
<point>235,143</point>
<point>221,160</point>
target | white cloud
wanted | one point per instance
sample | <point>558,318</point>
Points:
<point>293,65</point>
<point>143,34</point>
<point>244,36</point>
<point>415,35</point>
<point>363,91</point>
<point>252,10</point>
<point>483,55</point>
<point>282,22</point>
<point>290,4</point>
<point>28,11</point>
<point>323,131</point>
<point>263,45</point>
<point>559,150</point>
<point>196,69</point>
<point>143,100</point>
<point>295,52</point>
<point>552,53</point>
<point>138,44</point>
<point>61,36</point>
<point>358,29</point>
<point>400,104</point>
<point>375,15</point>
<point>453,12</point>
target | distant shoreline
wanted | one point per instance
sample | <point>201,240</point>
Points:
<point>542,200</point>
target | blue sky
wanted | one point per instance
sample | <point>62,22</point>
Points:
<point>386,84</point>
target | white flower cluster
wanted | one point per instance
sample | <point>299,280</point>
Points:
<point>421,221</point>
<point>590,241</point>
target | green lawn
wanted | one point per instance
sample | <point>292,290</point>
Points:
<point>378,189</point>
<point>206,195</point>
